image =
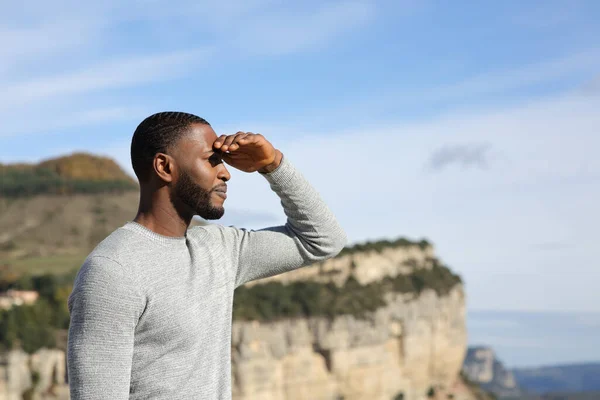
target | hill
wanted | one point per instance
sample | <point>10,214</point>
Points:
<point>72,174</point>
<point>54,212</point>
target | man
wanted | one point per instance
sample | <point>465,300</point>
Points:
<point>151,305</point>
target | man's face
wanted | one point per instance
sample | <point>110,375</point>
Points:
<point>200,186</point>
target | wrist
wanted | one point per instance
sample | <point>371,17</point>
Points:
<point>273,166</point>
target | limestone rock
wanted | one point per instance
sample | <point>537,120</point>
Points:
<point>17,369</point>
<point>407,347</point>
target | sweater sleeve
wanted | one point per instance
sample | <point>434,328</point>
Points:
<point>105,306</point>
<point>310,234</point>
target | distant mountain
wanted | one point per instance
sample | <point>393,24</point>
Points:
<point>566,396</point>
<point>560,378</point>
<point>575,381</point>
<point>569,396</point>
<point>482,367</point>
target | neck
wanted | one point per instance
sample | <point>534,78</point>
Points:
<point>157,213</point>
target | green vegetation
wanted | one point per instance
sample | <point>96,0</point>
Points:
<point>274,300</point>
<point>78,173</point>
<point>54,264</point>
<point>431,392</point>
<point>438,278</point>
<point>380,245</point>
<point>34,181</point>
<point>31,327</point>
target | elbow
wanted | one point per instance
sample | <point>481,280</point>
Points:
<point>319,245</point>
<point>338,243</point>
<point>330,245</point>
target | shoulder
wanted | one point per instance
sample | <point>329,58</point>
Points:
<point>119,245</point>
<point>216,234</point>
<point>210,231</point>
<point>101,269</point>
<point>113,260</point>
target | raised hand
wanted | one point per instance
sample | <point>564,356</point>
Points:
<point>248,152</point>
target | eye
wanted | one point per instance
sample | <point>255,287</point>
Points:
<point>215,159</point>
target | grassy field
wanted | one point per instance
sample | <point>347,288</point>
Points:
<point>56,264</point>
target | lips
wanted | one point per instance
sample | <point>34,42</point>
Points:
<point>221,191</point>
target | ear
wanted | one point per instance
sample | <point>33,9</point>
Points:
<point>164,166</point>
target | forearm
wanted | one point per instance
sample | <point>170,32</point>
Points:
<point>308,217</point>
<point>310,234</point>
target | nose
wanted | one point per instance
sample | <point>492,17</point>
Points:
<point>223,173</point>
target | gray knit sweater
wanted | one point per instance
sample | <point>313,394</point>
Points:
<point>151,314</point>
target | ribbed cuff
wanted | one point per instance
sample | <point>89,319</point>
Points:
<point>282,174</point>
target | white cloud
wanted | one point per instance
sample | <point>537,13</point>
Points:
<point>521,76</point>
<point>550,15</point>
<point>291,31</point>
<point>467,155</point>
<point>479,90</point>
<point>53,56</point>
<point>592,86</point>
<point>114,74</point>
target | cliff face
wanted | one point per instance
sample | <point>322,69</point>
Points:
<point>40,375</point>
<point>413,346</point>
<point>407,347</point>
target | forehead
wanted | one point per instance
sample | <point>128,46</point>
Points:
<point>199,138</point>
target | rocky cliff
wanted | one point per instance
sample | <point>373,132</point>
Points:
<point>412,348</point>
<point>408,347</point>
<point>39,376</point>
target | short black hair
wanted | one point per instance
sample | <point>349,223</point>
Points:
<point>157,134</point>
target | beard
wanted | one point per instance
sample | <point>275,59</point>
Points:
<point>196,198</point>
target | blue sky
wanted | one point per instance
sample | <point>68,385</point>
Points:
<point>473,124</point>
<point>533,339</point>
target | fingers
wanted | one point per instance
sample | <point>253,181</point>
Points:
<point>233,142</point>
<point>219,142</point>
<point>229,140</point>
<point>237,140</point>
